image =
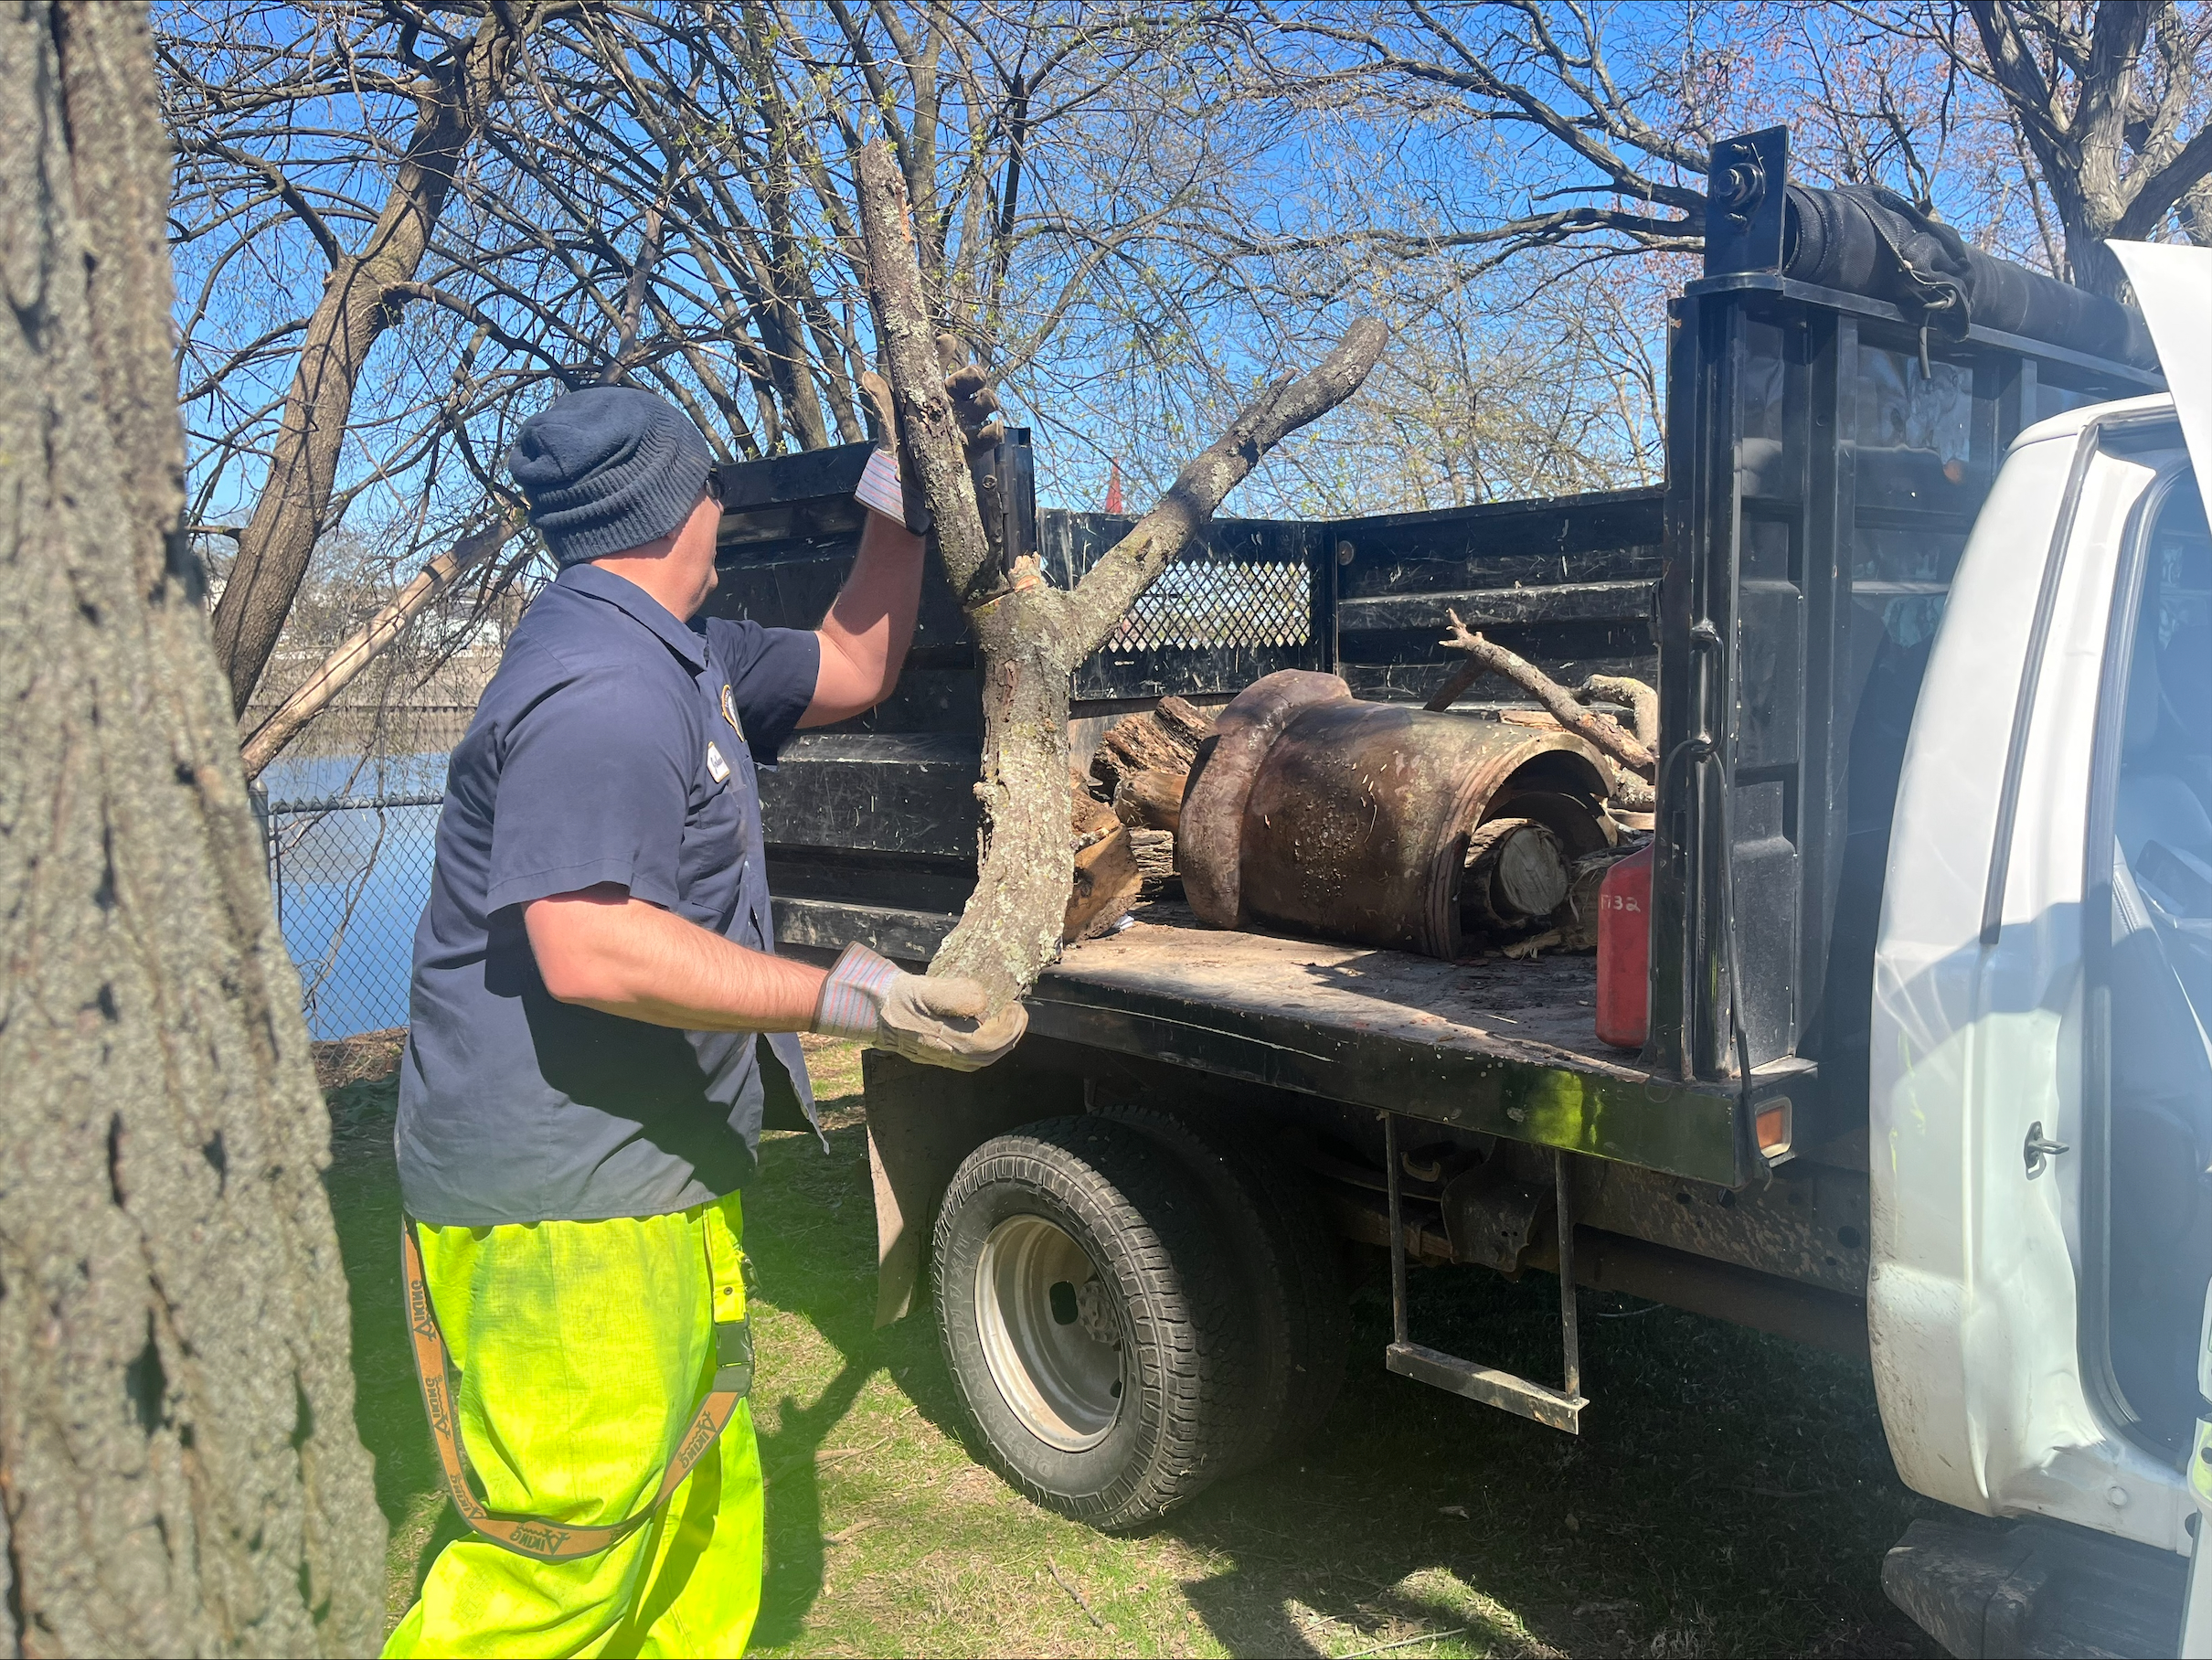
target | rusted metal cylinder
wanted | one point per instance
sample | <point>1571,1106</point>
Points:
<point>1351,821</point>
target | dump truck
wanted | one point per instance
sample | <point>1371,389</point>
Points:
<point>1927,597</point>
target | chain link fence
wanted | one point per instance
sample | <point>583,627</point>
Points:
<point>351,874</point>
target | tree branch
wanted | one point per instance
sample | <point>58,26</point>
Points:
<point>1601,730</point>
<point>361,648</point>
<point>1031,636</point>
<point>1111,586</point>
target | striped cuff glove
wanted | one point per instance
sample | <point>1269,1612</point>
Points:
<point>938,1022</point>
<point>880,491</point>
<point>852,997</point>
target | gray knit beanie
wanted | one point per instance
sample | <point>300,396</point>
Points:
<point>608,469</point>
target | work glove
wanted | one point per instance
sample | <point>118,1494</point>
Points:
<point>937,1022</point>
<point>891,484</point>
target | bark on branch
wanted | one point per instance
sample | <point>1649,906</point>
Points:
<point>1105,594</point>
<point>1485,656</point>
<point>1031,636</point>
<point>359,301</point>
<point>340,669</point>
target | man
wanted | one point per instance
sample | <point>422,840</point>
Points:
<point>598,1017</point>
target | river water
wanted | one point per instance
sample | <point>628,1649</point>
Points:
<point>351,881</point>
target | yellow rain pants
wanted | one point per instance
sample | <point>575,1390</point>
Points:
<point>582,1349</point>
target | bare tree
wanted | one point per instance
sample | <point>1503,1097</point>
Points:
<point>2104,96</point>
<point>1607,115</point>
<point>179,1470</point>
<point>453,93</point>
<point>663,196</point>
<point>1030,635</point>
<point>1543,380</point>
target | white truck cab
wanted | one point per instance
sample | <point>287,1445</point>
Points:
<point>2041,1081</point>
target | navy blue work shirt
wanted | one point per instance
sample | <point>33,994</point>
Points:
<point>614,744</point>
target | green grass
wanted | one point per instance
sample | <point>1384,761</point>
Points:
<point>1731,1495</point>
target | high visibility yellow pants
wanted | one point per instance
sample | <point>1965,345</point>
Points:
<point>582,1349</point>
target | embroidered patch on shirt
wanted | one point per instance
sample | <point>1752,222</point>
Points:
<point>717,768</point>
<point>729,711</point>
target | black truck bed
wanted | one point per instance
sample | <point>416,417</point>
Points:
<point>1505,1047</point>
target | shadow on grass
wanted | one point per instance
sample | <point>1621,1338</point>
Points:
<point>387,1405</point>
<point>802,1197</point>
<point>1730,1493</point>
<point>364,1200</point>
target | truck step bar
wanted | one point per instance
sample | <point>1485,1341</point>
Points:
<point>1559,1409</point>
<point>1486,1385</point>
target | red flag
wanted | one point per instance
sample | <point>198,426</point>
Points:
<point>1113,487</point>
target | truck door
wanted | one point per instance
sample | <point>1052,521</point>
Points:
<point>2042,1084</point>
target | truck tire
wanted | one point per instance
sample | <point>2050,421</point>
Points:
<point>1290,1273</point>
<point>1101,1358</point>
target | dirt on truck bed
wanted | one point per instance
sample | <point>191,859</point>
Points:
<point>1499,1045</point>
<point>1539,1009</point>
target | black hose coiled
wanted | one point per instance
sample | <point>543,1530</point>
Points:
<point>1867,240</point>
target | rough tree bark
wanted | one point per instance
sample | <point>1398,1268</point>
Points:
<point>179,1471</point>
<point>366,644</point>
<point>2082,136</point>
<point>1031,636</point>
<point>362,296</point>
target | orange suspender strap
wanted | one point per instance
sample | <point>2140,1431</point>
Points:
<point>534,1536</point>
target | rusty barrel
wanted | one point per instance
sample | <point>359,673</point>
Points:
<point>1311,812</point>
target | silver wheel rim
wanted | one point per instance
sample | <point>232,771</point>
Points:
<point>1050,1334</point>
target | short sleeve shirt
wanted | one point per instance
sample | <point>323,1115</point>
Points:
<point>615,744</point>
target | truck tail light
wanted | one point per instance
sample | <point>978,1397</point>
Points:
<point>1774,1127</point>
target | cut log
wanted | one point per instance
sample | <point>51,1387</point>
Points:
<point>1155,856</point>
<point>1089,817</point>
<point>1146,759</point>
<point>1185,720</point>
<point>1107,883</point>
<point>1138,743</point>
<point>1516,874</point>
<point>1151,801</point>
<point>1163,738</point>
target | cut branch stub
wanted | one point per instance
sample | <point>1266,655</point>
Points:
<point>1031,636</point>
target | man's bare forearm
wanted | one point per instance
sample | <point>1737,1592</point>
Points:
<point>869,625</point>
<point>604,950</point>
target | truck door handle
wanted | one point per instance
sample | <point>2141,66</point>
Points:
<point>2039,1149</point>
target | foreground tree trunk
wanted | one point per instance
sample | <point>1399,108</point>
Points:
<point>1031,636</point>
<point>179,1471</point>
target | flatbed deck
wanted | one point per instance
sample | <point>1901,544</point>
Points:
<point>1502,1046</point>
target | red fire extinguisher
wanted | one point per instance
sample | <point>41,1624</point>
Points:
<point>1624,952</point>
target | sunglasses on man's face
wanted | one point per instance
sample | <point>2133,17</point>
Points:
<point>713,485</point>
